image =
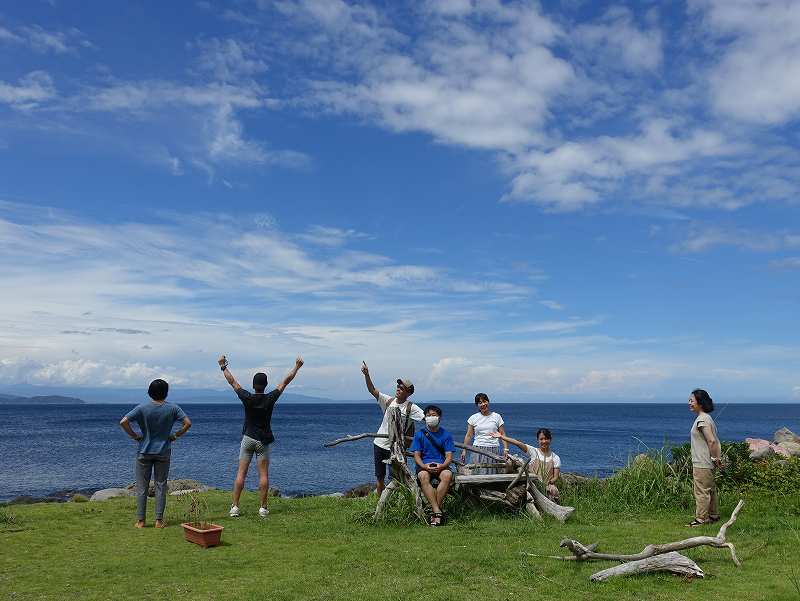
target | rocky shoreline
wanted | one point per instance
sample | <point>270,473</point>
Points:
<point>785,444</point>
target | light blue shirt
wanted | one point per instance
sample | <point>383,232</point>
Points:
<point>155,422</point>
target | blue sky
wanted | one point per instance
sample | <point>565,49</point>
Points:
<point>555,201</point>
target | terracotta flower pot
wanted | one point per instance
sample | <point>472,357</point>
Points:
<point>206,534</point>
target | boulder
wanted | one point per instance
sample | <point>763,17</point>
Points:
<point>109,493</point>
<point>785,435</point>
<point>172,486</point>
<point>759,448</point>
<point>793,448</point>
<point>573,479</point>
<point>362,490</point>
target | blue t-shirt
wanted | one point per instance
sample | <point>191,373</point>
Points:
<point>155,422</point>
<point>428,452</point>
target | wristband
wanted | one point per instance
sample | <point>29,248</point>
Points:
<point>224,367</point>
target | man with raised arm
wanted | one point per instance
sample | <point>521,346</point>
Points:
<point>381,448</point>
<point>257,437</point>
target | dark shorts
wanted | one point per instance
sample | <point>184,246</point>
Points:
<point>434,479</point>
<point>379,455</point>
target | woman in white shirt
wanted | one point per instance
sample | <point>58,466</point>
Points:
<point>479,433</point>
<point>545,465</point>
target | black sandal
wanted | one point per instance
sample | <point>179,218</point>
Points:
<point>695,523</point>
<point>436,519</point>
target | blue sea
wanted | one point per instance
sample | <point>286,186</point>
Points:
<point>48,448</point>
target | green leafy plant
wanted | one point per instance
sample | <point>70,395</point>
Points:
<point>79,498</point>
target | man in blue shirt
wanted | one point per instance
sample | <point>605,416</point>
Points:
<point>433,449</point>
<point>155,420</point>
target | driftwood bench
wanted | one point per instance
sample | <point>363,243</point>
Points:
<point>515,490</point>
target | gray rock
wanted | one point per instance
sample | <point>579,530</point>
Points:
<point>109,493</point>
<point>759,448</point>
<point>362,490</point>
<point>573,479</point>
<point>786,435</point>
<point>793,448</point>
<point>172,486</point>
<point>334,494</point>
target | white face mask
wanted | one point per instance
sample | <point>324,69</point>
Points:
<point>431,421</point>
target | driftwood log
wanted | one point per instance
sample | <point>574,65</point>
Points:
<point>517,489</point>
<point>653,558</point>
<point>581,552</point>
<point>672,562</point>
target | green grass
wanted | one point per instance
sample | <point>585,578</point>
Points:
<point>323,548</point>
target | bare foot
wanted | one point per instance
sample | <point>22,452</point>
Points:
<point>140,523</point>
<point>160,524</point>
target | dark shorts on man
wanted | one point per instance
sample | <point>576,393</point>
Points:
<point>379,455</point>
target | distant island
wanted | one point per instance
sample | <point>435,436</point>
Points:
<point>50,399</point>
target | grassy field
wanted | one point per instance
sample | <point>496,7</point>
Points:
<point>325,548</point>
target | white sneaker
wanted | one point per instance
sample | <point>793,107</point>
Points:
<point>234,512</point>
<point>263,512</point>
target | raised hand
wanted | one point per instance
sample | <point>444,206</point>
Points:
<point>222,360</point>
<point>298,362</point>
<point>364,368</point>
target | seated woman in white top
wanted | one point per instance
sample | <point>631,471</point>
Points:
<point>480,426</point>
<point>545,465</point>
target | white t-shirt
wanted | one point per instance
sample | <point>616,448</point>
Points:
<point>552,461</point>
<point>387,402</point>
<point>483,425</point>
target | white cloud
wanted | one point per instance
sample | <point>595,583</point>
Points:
<point>45,41</point>
<point>331,236</point>
<point>482,81</point>
<point>551,304</point>
<point>616,42</point>
<point>32,90</point>
<point>787,263</point>
<point>230,59</point>
<point>701,238</point>
<point>758,75</point>
<point>575,174</point>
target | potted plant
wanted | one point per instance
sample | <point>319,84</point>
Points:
<point>197,529</point>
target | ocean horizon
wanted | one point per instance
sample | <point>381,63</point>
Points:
<point>55,447</point>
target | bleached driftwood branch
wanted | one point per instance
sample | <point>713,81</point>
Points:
<point>581,552</point>
<point>352,437</point>
<point>544,504</point>
<point>667,562</point>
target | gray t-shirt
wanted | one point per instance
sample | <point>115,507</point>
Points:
<point>155,420</point>
<point>701,456</point>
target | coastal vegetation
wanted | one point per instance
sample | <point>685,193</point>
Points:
<point>329,548</point>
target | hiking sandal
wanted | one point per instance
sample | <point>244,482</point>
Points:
<point>436,519</point>
<point>695,523</point>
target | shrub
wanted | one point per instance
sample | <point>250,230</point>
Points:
<point>773,473</point>
<point>79,498</point>
<point>8,517</point>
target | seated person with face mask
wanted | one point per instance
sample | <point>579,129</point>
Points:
<point>433,449</point>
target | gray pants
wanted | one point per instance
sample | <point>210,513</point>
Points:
<point>158,466</point>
